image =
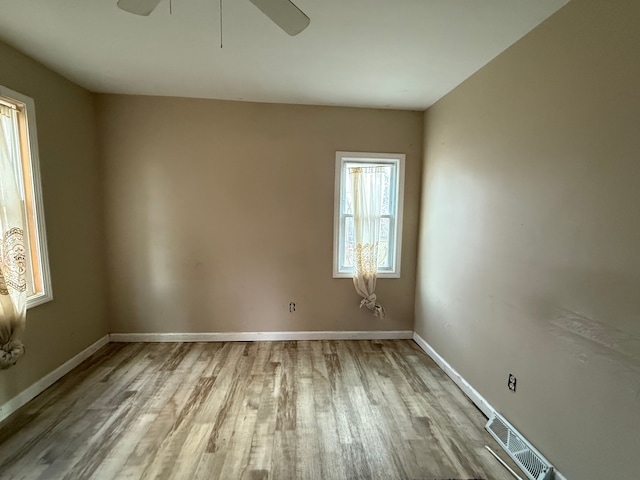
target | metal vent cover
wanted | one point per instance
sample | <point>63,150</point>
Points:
<point>519,449</point>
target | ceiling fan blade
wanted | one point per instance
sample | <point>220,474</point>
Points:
<point>139,7</point>
<point>284,14</point>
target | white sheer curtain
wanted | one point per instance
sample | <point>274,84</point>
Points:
<point>367,183</point>
<point>13,285</point>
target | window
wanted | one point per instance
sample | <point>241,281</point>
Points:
<point>391,193</point>
<point>17,114</point>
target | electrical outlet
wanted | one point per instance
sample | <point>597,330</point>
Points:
<point>511,383</point>
<point>292,307</point>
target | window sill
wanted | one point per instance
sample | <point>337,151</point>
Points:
<point>380,275</point>
<point>35,300</point>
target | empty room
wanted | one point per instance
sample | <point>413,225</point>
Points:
<point>364,239</point>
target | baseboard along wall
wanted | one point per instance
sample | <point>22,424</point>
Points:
<point>479,401</point>
<point>261,336</point>
<point>45,382</point>
<point>458,379</point>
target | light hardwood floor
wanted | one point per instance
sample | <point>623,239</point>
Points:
<point>251,410</point>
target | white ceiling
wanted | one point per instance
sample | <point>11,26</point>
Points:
<point>366,53</point>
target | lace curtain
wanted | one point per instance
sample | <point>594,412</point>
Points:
<point>367,185</point>
<point>13,286</point>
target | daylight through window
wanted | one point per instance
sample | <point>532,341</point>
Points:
<point>17,120</point>
<point>389,169</point>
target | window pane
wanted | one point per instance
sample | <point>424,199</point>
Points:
<point>384,196</point>
<point>22,146</point>
<point>348,185</point>
<point>348,190</point>
<point>8,117</point>
<point>386,190</point>
<point>383,248</point>
<point>349,243</point>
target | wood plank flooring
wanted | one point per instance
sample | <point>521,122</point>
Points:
<point>251,411</point>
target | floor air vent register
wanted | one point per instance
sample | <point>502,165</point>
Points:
<point>522,452</point>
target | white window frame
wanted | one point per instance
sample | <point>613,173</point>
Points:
<point>397,160</point>
<point>35,230</point>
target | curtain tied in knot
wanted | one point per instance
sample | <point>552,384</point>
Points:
<point>10,353</point>
<point>370,302</point>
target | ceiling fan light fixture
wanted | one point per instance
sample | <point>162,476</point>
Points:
<point>138,7</point>
<point>285,14</point>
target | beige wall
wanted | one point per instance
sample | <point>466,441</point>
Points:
<point>530,236</point>
<point>76,318</point>
<point>220,213</point>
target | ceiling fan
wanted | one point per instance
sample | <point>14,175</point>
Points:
<point>283,13</point>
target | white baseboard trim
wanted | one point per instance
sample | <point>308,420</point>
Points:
<point>465,386</point>
<point>45,382</point>
<point>260,336</point>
